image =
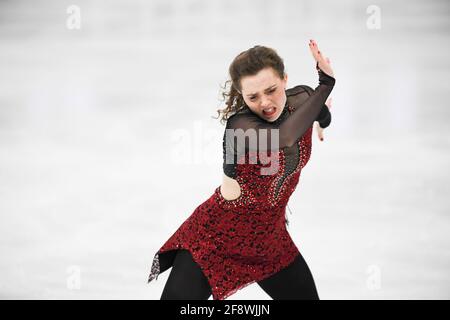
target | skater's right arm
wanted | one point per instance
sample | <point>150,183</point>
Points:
<point>292,128</point>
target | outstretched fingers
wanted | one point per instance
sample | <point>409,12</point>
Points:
<point>322,62</point>
<point>314,50</point>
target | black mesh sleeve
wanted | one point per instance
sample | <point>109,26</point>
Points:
<point>248,131</point>
<point>324,117</point>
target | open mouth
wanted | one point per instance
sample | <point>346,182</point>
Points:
<point>269,111</point>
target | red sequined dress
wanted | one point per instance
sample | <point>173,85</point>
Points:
<point>245,240</point>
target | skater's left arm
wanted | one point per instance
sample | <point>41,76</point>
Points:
<point>323,119</point>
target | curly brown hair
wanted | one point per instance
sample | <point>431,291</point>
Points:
<point>247,63</point>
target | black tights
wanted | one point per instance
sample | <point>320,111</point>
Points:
<point>187,281</point>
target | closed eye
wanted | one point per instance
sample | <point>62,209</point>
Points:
<point>269,92</point>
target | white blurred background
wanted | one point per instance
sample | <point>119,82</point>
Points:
<point>94,121</point>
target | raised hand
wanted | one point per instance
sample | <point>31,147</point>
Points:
<point>321,62</point>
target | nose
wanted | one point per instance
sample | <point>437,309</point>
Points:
<point>265,102</point>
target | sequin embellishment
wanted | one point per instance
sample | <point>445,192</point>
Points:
<point>245,240</point>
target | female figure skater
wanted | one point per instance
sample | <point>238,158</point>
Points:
<point>238,235</point>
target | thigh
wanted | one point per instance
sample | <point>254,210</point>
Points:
<point>295,282</point>
<point>186,280</point>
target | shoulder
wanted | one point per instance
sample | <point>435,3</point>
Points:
<point>244,113</point>
<point>243,119</point>
<point>297,95</point>
<point>299,89</point>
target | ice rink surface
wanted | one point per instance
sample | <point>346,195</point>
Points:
<point>108,140</point>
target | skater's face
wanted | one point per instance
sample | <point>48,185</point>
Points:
<point>264,93</point>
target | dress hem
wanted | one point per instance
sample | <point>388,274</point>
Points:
<point>156,271</point>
